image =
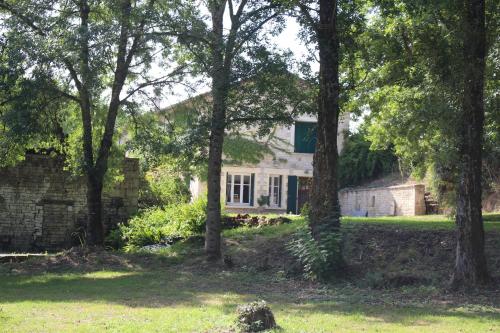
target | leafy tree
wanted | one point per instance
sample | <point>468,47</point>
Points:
<point>251,85</point>
<point>416,87</point>
<point>31,110</point>
<point>98,53</point>
<point>359,163</point>
<point>413,85</point>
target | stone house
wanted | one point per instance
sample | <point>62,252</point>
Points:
<point>282,178</point>
<point>43,207</point>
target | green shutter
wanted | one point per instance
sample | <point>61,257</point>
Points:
<point>305,137</point>
<point>291,206</point>
<point>252,185</point>
<point>279,191</point>
<point>228,187</point>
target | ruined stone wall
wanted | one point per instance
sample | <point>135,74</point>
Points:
<point>44,207</point>
<point>404,200</point>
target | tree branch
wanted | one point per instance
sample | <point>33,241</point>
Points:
<point>250,33</point>
<point>245,119</point>
<point>158,81</point>
<point>307,15</point>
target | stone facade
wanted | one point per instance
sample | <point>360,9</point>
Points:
<point>44,207</point>
<point>406,200</point>
<point>283,162</point>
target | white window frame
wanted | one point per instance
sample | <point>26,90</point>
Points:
<point>272,188</point>
<point>242,185</point>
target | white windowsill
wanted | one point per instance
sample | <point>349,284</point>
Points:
<point>233,205</point>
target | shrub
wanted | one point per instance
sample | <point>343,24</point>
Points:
<point>114,239</point>
<point>304,211</point>
<point>320,261</point>
<point>145,228</point>
<point>156,225</point>
<point>263,200</point>
<point>187,219</point>
<point>162,187</point>
<point>359,163</point>
<point>255,317</point>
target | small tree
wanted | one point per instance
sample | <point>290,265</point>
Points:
<point>229,47</point>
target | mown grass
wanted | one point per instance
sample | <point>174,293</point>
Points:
<point>173,301</point>
<point>491,221</point>
<point>423,222</point>
<point>170,296</point>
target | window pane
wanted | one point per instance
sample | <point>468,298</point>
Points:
<point>236,192</point>
<point>237,179</point>
<point>246,193</point>
<point>275,197</point>
<point>246,180</point>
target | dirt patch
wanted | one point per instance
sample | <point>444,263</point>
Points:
<point>74,259</point>
<point>407,256</point>
<point>247,220</point>
<point>377,256</point>
<point>263,254</point>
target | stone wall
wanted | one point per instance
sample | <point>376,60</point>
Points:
<point>407,200</point>
<point>43,207</point>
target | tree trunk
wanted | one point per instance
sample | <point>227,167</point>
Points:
<point>94,209</point>
<point>470,264</point>
<point>95,170</point>
<point>220,87</point>
<point>324,215</point>
<point>213,227</point>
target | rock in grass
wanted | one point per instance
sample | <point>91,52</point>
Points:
<point>255,317</point>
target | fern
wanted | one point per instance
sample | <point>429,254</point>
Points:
<point>319,260</point>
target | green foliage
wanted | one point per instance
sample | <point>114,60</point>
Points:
<point>306,208</point>
<point>32,113</point>
<point>413,86</point>
<point>255,317</point>
<point>52,59</point>
<point>359,163</point>
<point>441,185</point>
<point>320,260</point>
<point>162,187</point>
<point>239,148</point>
<point>263,200</point>
<point>114,239</point>
<point>155,225</point>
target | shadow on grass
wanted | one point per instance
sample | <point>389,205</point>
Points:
<point>165,288</point>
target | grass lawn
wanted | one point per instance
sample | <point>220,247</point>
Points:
<point>491,221</point>
<point>176,291</point>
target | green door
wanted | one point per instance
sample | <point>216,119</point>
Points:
<point>291,206</point>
